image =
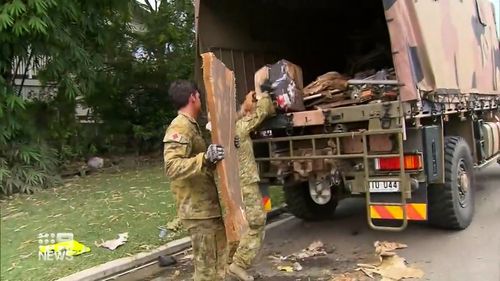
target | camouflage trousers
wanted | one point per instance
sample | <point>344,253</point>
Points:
<point>208,238</point>
<point>244,253</point>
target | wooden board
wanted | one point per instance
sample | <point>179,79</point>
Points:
<point>221,104</point>
<point>307,118</point>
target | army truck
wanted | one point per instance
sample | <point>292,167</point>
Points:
<point>412,156</point>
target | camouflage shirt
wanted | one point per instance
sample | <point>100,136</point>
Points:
<point>191,181</point>
<point>244,126</point>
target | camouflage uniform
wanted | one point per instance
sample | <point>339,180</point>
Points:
<point>251,242</point>
<point>197,200</point>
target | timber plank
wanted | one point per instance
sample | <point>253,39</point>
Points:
<point>221,104</point>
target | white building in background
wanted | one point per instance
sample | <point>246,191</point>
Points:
<point>27,76</point>
<point>32,88</point>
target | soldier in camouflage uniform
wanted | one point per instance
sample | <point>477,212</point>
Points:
<point>189,165</point>
<point>253,111</point>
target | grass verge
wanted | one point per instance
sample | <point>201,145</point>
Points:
<point>92,208</point>
<point>95,207</point>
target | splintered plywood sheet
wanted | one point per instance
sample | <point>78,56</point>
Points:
<point>221,103</point>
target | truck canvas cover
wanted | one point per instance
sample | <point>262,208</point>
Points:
<point>447,44</point>
<point>444,46</point>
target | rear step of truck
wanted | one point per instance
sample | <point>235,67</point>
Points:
<point>399,207</point>
<point>374,206</point>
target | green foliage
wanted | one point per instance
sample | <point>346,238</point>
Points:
<point>68,33</point>
<point>24,168</point>
<point>119,56</point>
<point>63,39</point>
<point>131,94</point>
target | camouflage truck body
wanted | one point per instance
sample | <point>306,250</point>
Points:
<point>412,158</point>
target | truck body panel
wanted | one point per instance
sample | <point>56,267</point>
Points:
<point>434,44</point>
<point>398,153</point>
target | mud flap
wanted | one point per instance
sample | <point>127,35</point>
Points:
<point>416,207</point>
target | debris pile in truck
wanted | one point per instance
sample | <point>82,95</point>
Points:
<point>330,90</point>
<point>328,83</point>
<point>333,89</point>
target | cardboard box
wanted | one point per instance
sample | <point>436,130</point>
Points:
<point>288,82</point>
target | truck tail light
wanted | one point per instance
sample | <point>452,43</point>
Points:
<point>411,162</point>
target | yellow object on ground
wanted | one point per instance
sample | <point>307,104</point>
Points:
<point>72,247</point>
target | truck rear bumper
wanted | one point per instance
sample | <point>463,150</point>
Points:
<point>414,211</point>
<point>416,206</point>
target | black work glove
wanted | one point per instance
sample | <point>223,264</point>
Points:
<point>267,86</point>
<point>214,154</point>
<point>237,141</point>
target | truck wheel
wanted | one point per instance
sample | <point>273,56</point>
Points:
<point>300,203</point>
<point>451,205</point>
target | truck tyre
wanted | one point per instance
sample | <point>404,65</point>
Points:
<point>451,205</point>
<point>301,205</point>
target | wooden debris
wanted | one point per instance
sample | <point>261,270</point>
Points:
<point>393,268</point>
<point>332,89</point>
<point>221,103</point>
<point>328,81</point>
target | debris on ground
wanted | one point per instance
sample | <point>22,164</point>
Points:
<point>187,257</point>
<point>297,266</point>
<point>391,267</point>
<point>348,276</point>
<point>285,268</point>
<point>163,232</point>
<point>174,225</point>
<point>291,263</point>
<point>386,249</point>
<point>166,261</point>
<point>115,243</point>
<point>315,249</point>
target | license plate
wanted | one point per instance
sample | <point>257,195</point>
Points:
<point>384,186</point>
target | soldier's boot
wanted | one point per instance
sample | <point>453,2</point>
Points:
<point>239,273</point>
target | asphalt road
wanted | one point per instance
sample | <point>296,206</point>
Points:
<point>468,255</point>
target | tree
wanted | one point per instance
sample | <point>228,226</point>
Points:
<point>119,56</point>
<point>131,98</point>
<point>69,35</point>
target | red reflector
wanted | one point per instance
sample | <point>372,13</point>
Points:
<point>411,162</point>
